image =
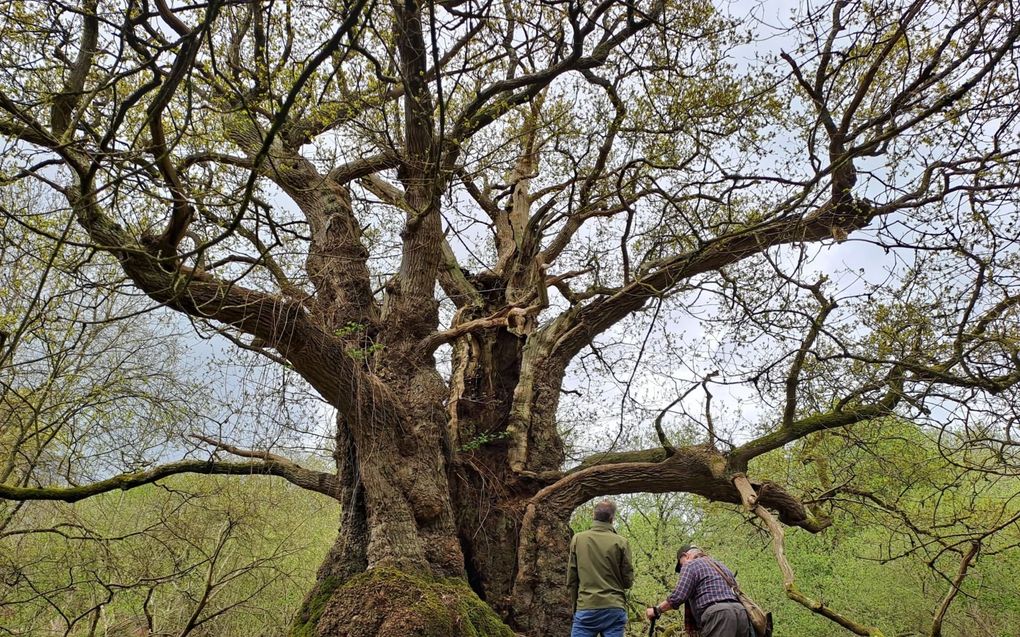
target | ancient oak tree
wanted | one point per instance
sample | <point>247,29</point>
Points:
<point>431,212</point>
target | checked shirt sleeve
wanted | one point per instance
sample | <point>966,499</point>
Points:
<point>689,576</point>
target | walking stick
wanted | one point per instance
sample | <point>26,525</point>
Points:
<point>651,628</point>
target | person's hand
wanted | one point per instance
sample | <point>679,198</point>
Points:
<point>651,614</point>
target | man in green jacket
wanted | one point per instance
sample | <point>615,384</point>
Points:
<point>598,575</point>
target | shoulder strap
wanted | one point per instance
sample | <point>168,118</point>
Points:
<point>729,580</point>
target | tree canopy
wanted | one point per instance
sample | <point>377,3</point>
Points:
<point>527,254</point>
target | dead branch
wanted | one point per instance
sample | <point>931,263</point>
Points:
<point>749,498</point>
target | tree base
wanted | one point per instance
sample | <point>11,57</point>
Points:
<point>386,602</point>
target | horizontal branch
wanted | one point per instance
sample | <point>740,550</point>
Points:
<point>835,419</point>
<point>324,483</point>
<point>433,341</point>
<point>363,167</point>
<point>691,469</point>
<point>207,157</point>
<point>508,315</point>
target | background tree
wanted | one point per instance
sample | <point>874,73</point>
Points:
<point>434,213</point>
<point>84,395</point>
<point>191,556</point>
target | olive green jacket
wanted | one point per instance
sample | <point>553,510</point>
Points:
<point>600,569</point>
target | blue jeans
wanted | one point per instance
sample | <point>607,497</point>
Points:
<point>608,621</point>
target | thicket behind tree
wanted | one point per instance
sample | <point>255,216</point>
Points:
<point>348,187</point>
<point>903,516</point>
<point>191,556</point>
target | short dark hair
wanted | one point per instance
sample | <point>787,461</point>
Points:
<point>605,511</point>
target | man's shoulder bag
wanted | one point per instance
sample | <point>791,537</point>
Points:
<point>760,620</point>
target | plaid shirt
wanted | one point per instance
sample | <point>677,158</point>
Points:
<point>702,585</point>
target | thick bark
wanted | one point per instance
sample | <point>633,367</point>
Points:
<point>349,554</point>
<point>488,496</point>
<point>337,258</point>
<point>401,466</point>
<point>433,492</point>
<point>397,511</point>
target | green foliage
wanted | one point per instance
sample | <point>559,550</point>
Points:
<point>352,329</point>
<point>349,329</point>
<point>482,439</point>
<point>361,353</point>
<point>249,547</point>
<point>886,565</point>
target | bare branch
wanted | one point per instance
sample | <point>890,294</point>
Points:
<point>954,589</point>
<point>752,505</point>
<point>313,480</point>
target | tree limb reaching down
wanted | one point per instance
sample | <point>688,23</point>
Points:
<point>746,490</point>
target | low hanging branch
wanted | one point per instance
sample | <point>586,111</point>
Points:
<point>750,500</point>
<point>324,483</point>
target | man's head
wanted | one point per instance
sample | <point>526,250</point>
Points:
<point>685,554</point>
<point>605,511</point>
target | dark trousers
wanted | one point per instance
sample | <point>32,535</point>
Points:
<point>728,619</point>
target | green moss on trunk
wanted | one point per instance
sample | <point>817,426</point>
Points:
<point>385,602</point>
<point>311,610</point>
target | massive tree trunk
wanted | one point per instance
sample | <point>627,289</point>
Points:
<point>428,486</point>
<point>462,479</point>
